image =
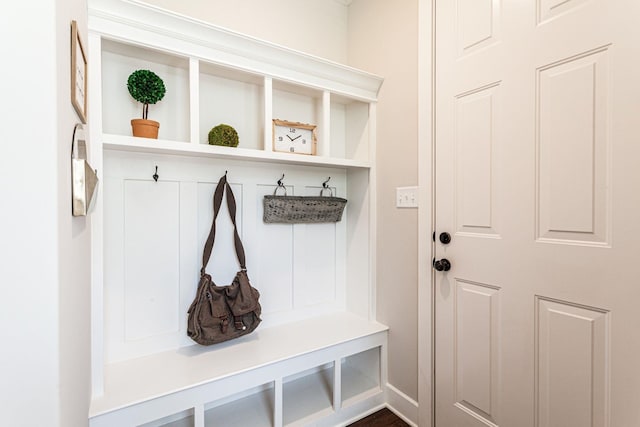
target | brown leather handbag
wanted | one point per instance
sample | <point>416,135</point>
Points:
<point>221,313</point>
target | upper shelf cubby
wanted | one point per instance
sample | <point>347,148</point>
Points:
<point>232,97</point>
<point>119,60</point>
<point>223,77</point>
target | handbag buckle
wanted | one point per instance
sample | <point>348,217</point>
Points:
<point>239,324</point>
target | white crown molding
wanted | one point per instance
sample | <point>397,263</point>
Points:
<point>157,27</point>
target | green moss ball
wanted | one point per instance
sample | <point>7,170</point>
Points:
<point>223,135</point>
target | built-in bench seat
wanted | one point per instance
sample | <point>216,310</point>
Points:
<point>323,371</point>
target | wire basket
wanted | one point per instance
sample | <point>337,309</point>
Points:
<point>303,209</point>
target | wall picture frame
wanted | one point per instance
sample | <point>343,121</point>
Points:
<point>78,74</point>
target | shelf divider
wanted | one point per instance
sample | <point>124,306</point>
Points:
<point>325,125</point>
<point>194,99</point>
<point>198,416</point>
<point>278,403</point>
<point>337,384</point>
<point>268,114</point>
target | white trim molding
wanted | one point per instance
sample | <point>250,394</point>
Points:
<point>402,405</point>
<point>426,169</point>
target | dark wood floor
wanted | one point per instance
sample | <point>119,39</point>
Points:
<point>382,418</point>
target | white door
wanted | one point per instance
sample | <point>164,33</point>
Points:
<point>538,183</point>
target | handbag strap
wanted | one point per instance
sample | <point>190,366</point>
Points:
<point>231,204</point>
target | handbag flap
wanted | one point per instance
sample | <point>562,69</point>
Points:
<point>241,296</point>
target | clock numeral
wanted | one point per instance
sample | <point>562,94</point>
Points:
<point>292,130</point>
<point>279,138</point>
<point>291,149</point>
<point>304,141</point>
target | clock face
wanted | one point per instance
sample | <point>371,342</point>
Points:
<point>293,137</point>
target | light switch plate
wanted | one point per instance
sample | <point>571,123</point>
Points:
<point>407,197</point>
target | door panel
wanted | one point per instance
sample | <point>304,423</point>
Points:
<point>475,124</point>
<point>572,374</point>
<point>537,180</point>
<point>476,345</point>
<point>572,135</point>
<point>477,24</point>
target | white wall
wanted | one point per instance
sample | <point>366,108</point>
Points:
<point>74,239</point>
<point>28,217</point>
<point>317,27</point>
<point>383,39</point>
<point>43,316</point>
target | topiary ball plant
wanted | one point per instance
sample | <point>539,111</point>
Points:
<point>147,88</point>
<point>223,135</point>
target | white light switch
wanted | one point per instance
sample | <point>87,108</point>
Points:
<point>407,197</point>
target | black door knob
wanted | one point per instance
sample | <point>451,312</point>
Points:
<point>442,265</point>
<point>445,238</point>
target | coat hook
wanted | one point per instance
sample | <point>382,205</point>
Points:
<point>280,183</point>
<point>155,175</point>
<point>324,184</point>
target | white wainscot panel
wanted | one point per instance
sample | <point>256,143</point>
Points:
<point>475,123</point>
<point>572,364</point>
<point>274,271</point>
<point>315,266</point>
<point>142,259</point>
<point>151,251</point>
<point>477,376</point>
<point>223,264</point>
<point>549,9</point>
<point>477,22</point>
<point>572,163</point>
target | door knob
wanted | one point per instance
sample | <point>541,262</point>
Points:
<point>442,265</point>
<point>445,238</point>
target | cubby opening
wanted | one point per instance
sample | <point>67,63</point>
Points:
<point>360,375</point>
<point>294,103</point>
<point>308,395</point>
<point>119,60</point>
<point>254,407</point>
<point>182,419</point>
<point>349,128</point>
<point>235,98</point>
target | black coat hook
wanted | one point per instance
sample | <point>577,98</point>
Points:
<point>155,175</point>
<point>280,183</point>
<point>324,184</point>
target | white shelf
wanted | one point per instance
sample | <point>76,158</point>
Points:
<point>142,379</point>
<point>158,146</point>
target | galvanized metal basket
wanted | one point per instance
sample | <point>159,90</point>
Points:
<point>302,209</point>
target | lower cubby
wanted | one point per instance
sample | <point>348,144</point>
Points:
<point>250,408</point>
<point>323,371</point>
<point>360,375</point>
<point>308,396</point>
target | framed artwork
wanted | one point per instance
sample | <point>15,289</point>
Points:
<point>294,137</point>
<point>78,74</point>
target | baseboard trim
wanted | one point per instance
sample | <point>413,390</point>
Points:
<point>402,405</point>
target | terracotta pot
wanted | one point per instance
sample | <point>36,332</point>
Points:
<point>145,128</point>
